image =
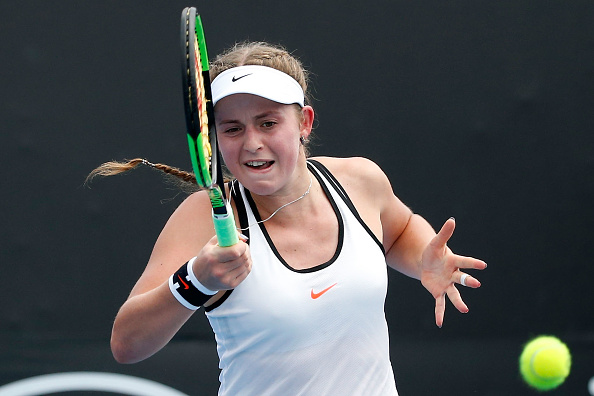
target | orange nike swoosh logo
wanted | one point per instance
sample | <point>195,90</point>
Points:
<point>318,295</point>
<point>186,286</point>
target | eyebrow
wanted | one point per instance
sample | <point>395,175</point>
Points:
<point>264,114</point>
<point>268,113</point>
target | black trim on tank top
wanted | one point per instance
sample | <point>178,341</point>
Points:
<point>273,247</point>
<point>235,194</point>
<point>240,207</point>
<point>220,301</point>
<point>347,200</point>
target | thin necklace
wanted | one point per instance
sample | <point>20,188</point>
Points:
<point>284,206</point>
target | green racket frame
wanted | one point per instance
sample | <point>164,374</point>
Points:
<point>201,129</point>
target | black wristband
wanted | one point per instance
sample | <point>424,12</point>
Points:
<point>184,290</point>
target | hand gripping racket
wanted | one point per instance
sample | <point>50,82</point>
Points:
<point>201,129</point>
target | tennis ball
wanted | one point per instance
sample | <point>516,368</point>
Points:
<point>545,362</point>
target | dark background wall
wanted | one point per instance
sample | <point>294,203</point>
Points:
<point>475,109</point>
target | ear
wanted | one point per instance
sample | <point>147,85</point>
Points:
<point>307,119</point>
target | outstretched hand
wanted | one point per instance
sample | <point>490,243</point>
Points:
<point>441,270</point>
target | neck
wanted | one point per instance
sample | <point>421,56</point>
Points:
<point>289,204</point>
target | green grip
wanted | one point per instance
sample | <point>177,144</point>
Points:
<point>225,228</point>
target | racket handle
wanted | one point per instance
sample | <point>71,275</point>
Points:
<point>225,228</point>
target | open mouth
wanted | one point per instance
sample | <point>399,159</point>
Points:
<point>259,164</point>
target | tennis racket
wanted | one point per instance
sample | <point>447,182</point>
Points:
<point>201,129</point>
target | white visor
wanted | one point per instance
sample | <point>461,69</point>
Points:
<point>257,80</point>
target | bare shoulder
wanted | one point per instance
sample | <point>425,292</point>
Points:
<point>364,181</point>
<point>196,204</point>
<point>371,192</point>
<point>188,229</point>
<point>356,172</point>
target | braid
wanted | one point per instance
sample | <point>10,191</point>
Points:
<point>187,177</point>
<point>182,178</point>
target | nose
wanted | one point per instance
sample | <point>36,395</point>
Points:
<point>252,140</point>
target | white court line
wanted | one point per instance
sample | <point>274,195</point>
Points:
<point>87,381</point>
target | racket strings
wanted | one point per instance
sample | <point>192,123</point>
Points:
<point>279,209</point>
<point>200,118</point>
<point>201,101</point>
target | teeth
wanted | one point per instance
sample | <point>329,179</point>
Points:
<point>256,163</point>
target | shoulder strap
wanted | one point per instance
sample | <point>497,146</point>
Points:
<point>235,194</point>
<point>345,197</point>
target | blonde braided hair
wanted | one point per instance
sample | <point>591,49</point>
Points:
<point>184,180</point>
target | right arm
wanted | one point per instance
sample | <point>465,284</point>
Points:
<point>151,316</point>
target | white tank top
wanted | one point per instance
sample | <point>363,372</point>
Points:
<point>318,331</point>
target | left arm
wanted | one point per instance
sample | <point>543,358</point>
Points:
<point>412,246</point>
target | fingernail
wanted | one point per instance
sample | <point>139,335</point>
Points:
<point>452,218</point>
<point>243,237</point>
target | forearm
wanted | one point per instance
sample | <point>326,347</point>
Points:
<point>146,323</point>
<point>406,252</point>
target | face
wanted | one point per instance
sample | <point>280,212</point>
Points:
<point>259,141</point>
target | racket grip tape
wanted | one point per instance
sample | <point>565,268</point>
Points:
<point>225,229</point>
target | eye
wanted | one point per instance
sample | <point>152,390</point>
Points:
<point>268,124</point>
<point>231,130</point>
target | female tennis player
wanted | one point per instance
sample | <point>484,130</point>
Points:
<point>297,306</point>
